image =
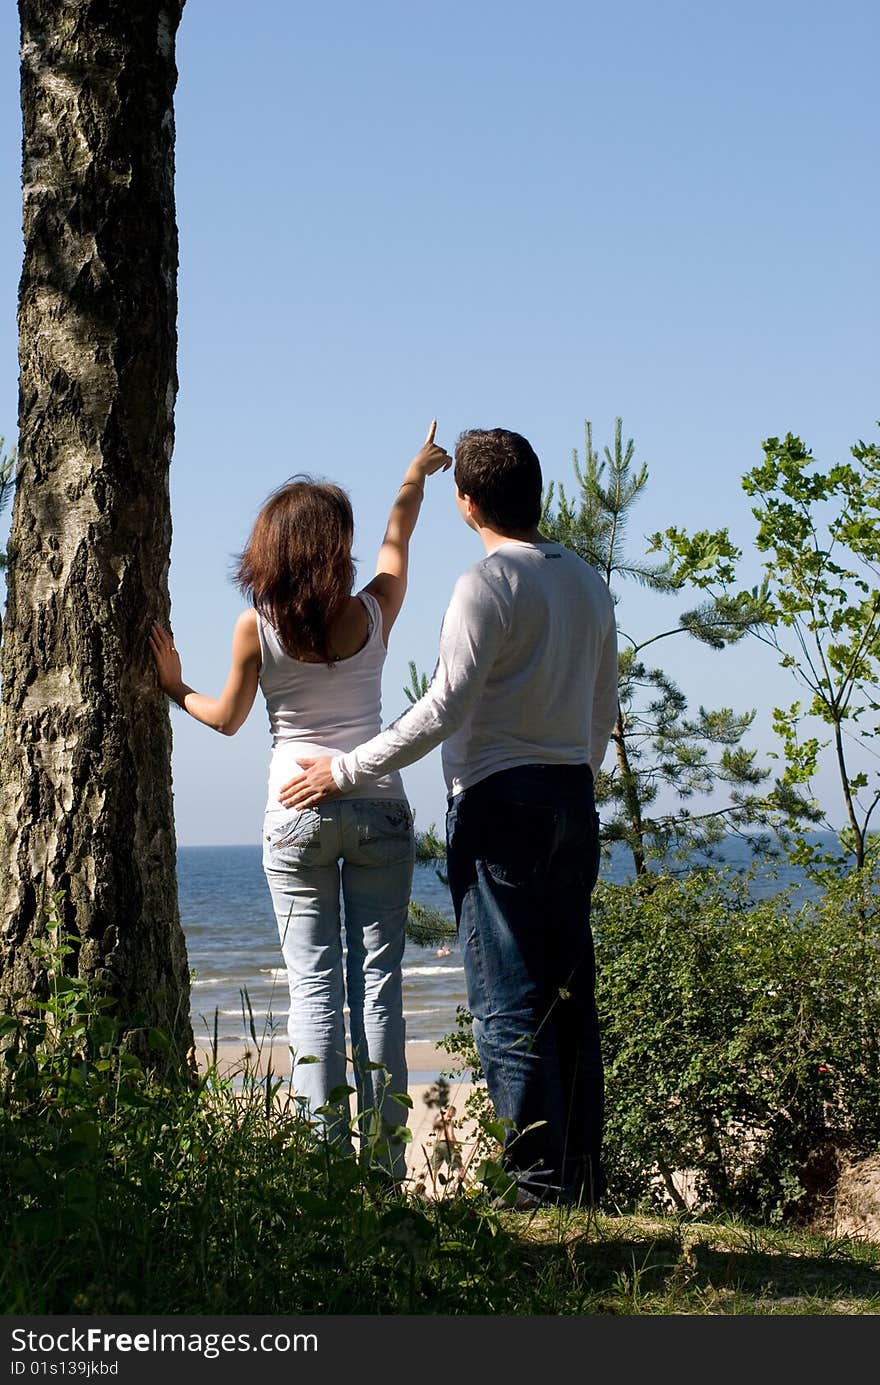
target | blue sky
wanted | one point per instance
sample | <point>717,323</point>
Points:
<point>496,214</point>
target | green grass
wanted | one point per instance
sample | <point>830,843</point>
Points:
<point>637,1265</point>
<point>126,1191</point>
<point>123,1195</point>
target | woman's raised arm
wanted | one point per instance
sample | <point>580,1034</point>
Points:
<point>228,712</point>
<point>389,584</point>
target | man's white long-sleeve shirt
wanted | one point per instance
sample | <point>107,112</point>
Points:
<point>527,674</point>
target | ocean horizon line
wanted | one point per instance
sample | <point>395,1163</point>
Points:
<point>256,843</point>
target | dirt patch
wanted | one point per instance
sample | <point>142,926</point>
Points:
<point>856,1208</point>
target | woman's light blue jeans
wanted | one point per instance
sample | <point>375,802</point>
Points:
<point>367,847</point>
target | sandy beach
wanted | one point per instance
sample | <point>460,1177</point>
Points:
<point>425,1063</point>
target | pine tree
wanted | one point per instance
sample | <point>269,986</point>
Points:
<point>658,747</point>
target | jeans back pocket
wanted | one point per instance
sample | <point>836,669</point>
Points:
<point>294,838</point>
<point>515,840</point>
<point>384,831</point>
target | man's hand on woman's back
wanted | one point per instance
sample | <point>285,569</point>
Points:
<point>314,785</point>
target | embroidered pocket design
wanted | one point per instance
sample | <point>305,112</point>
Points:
<point>302,830</point>
<point>385,830</point>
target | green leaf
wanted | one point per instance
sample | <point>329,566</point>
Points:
<point>403,1098</point>
<point>496,1128</point>
<point>497,1181</point>
<point>401,1133</point>
<point>86,1133</point>
<point>338,1094</point>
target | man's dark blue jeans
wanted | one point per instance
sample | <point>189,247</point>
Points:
<point>523,857</point>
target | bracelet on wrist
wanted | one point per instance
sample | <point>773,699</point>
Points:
<point>418,485</point>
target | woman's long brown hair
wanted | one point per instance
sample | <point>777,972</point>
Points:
<point>297,567</point>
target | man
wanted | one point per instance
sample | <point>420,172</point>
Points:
<point>523,699</point>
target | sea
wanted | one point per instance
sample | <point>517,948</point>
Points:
<point>239,983</point>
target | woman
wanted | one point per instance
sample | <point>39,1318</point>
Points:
<point>316,650</point>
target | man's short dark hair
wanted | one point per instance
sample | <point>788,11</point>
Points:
<point>500,472</point>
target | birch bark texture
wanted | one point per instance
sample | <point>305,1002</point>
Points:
<point>86,739</point>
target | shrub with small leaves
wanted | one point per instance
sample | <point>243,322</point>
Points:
<point>741,1038</point>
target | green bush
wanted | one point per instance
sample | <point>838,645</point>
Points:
<point>741,1042</point>
<point>740,1038</point>
<point>128,1185</point>
<point>130,1190</point>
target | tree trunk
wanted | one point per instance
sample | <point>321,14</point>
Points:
<point>86,738</point>
<point>632,804</point>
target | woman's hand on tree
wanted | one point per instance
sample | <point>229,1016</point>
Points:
<point>167,659</point>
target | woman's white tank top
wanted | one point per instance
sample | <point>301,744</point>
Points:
<point>323,709</point>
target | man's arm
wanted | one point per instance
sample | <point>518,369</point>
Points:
<point>473,630</point>
<point>605,699</point>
